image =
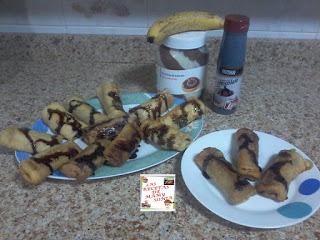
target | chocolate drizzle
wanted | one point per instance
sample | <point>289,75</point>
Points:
<point>60,120</point>
<point>128,145</point>
<point>284,154</point>
<point>196,107</point>
<point>25,132</point>
<point>153,112</point>
<point>163,130</point>
<point>147,109</point>
<point>245,145</point>
<point>110,132</point>
<point>116,100</point>
<point>47,159</point>
<point>205,166</point>
<point>52,142</point>
<point>162,97</point>
<point>91,116</point>
<point>208,159</point>
<point>134,154</point>
<point>74,104</point>
<point>105,130</point>
<point>33,143</point>
<point>156,134</point>
<point>182,119</point>
<point>276,168</point>
<point>117,123</point>
<point>88,159</point>
<point>171,141</point>
<point>65,118</point>
<point>239,184</point>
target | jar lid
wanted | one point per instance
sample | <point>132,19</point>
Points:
<point>236,23</point>
<point>186,40</point>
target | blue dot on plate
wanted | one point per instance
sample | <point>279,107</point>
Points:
<point>309,186</point>
<point>295,210</point>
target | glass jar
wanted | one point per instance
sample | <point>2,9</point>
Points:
<point>182,64</point>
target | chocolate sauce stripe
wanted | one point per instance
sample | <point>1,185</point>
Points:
<point>276,170</point>
<point>47,159</point>
<point>75,106</point>
<point>33,143</point>
<point>157,134</point>
<point>70,120</point>
<point>25,132</point>
<point>88,159</point>
<point>116,100</point>
<point>91,116</point>
<point>182,120</point>
<point>245,145</point>
<point>239,184</point>
<point>153,113</point>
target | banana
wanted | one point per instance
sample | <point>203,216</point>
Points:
<point>183,22</point>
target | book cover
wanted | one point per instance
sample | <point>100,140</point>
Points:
<point>157,192</point>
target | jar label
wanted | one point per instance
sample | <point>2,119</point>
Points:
<point>227,92</point>
<point>180,81</point>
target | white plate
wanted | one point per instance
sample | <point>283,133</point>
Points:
<point>259,212</point>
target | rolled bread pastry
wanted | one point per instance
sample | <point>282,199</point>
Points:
<point>108,94</point>
<point>152,109</point>
<point>104,130</point>
<point>164,136</point>
<point>62,122</point>
<point>35,169</point>
<point>24,139</point>
<point>86,162</point>
<point>85,112</point>
<point>247,154</point>
<point>284,168</point>
<point>215,167</point>
<point>184,114</point>
<point>120,149</point>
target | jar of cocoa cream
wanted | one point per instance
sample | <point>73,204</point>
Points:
<point>182,63</point>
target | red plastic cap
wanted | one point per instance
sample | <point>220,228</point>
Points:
<point>236,23</point>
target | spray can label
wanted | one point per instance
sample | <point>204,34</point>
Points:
<point>227,90</point>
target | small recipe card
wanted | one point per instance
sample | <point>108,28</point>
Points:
<point>157,192</point>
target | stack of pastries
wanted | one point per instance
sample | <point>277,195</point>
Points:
<point>111,136</point>
<point>233,181</point>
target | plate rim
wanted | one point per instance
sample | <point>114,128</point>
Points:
<point>292,221</point>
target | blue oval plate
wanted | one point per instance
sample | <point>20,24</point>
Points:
<point>147,155</point>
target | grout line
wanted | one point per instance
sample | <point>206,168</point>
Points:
<point>141,31</point>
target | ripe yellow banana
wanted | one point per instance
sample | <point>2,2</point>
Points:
<point>183,22</point>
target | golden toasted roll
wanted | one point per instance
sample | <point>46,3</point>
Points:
<point>284,168</point>
<point>24,139</point>
<point>35,169</point>
<point>62,122</point>
<point>215,167</point>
